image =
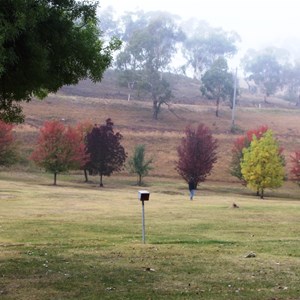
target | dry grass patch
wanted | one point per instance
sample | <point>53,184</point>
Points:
<point>162,137</point>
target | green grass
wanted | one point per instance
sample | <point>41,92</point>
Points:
<point>77,241</point>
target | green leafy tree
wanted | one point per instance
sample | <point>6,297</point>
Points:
<point>266,69</point>
<point>8,151</point>
<point>262,166</point>
<point>150,44</point>
<point>204,44</point>
<point>239,145</point>
<point>59,149</point>
<point>109,24</point>
<point>292,82</point>
<point>218,83</point>
<point>138,165</point>
<point>45,44</point>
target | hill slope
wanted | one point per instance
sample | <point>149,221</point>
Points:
<point>162,137</point>
<point>184,89</point>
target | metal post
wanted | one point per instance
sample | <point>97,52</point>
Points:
<point>234,99</point>
<point>143,223</point>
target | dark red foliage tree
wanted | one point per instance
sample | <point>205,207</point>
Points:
<point>295,171</point>
<point>107,155</point>
<point>83,129</point>
<point>197,154</point>
<point>237,150</point>
<point>7,145</point>
<point>59,149</point>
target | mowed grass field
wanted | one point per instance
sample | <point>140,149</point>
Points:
<point>77,241</point>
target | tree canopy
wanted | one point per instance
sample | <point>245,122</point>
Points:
<point>239,145</point>
<point>83,129</point>
<point>106,154</point>
<point>197,154</point>
<point>218,83</point>
<point>45,44</point>
<point>262,165</point>
<point>138,164</point>
<point>292,82</point>
<point>295,170</point>
<point>265,68</point>
<point>150,44</point>
<point>204,44</point>
<point>8,153</point>
<point>59,149</point>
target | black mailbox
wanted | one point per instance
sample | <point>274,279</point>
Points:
<point>144,195</point>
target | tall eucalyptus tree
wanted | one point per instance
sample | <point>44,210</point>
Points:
<point>150,41</point>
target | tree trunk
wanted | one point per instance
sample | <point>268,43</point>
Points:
<point>101,184</point>
<point>140,180</point>
<point>130,88</point>
<point>86,175</point>
<point>155,109</point>
<point>217,109</point>
<point>262,194</point>
<point>55,175</point>
<point>249,86</point>
<point>298,102</point>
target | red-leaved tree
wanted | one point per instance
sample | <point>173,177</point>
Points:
<point>7,145</point>
<point>84,128</point>
<point>237,150</point>
<point>295,171</point>
<point>59,149</point>
<point>107,155</point>
<point>197,154</point>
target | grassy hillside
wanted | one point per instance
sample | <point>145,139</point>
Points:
<point>162,137</point>
<point>184,89</point>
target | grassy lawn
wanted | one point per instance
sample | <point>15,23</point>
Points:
<point>77,241</point>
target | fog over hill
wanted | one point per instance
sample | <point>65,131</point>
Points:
<point>260,23</point>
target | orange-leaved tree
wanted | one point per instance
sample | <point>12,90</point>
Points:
<point>84,128</point>
<point>59,149</point>
<point>8,153</point>
<point>197,154</point>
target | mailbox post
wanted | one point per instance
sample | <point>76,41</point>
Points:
<point>143,196</point>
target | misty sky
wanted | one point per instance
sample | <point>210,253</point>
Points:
<point>260,23</point>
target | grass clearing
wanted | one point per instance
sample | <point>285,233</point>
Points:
<point>77,241</point>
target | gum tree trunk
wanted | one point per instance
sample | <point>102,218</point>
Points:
<point>86,175</point>
<point>55,176</point>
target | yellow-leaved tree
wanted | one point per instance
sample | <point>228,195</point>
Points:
<point>263,164</point>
